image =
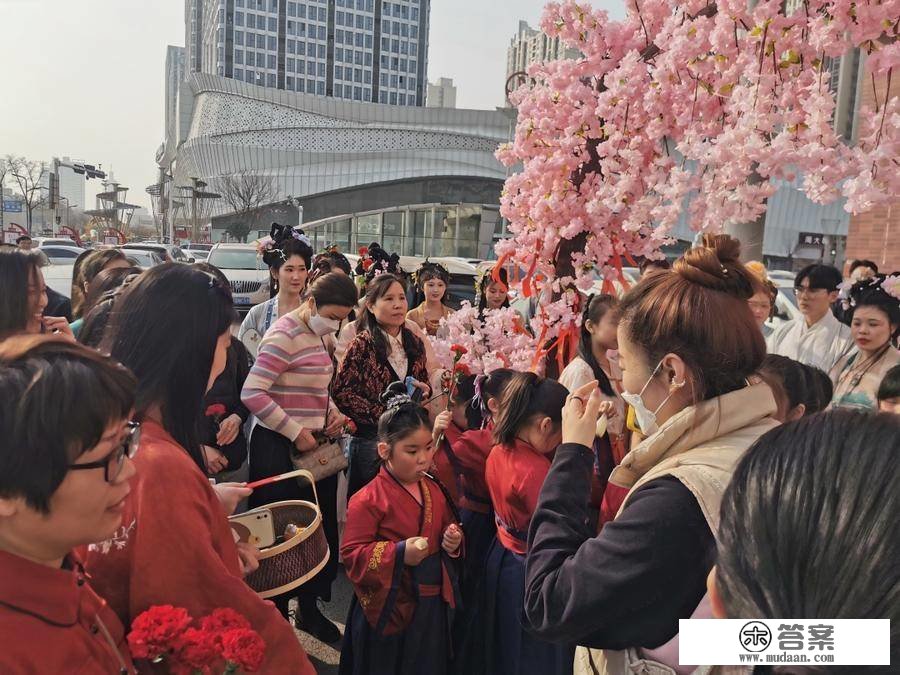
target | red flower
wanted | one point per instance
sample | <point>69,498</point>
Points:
<point>154,632</point>
<point>350,426</point>
<point>459,350</point>
<point>215,410</point>
<point>363,250</point>
<point>461,370</point>
<point>196,649</point>
<point>244,647</point>
<point>367,263</point>
<point>223,619</point>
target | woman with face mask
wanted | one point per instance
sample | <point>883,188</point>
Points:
<point>288,391</point>
<point>689,348</point>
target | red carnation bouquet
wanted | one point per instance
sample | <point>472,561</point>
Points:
<point>450,380</point>
<point>223,641</point>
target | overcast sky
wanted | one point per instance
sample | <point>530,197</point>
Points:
<point>84,78</point>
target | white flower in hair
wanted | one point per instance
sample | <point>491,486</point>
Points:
<point>397,400</point>
<point>891,286</point>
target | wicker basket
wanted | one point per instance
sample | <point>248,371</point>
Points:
<point>292,563</point>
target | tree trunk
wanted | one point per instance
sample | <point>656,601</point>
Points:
<point>751,236</point>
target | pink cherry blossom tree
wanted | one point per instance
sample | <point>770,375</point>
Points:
<point>681,102</point>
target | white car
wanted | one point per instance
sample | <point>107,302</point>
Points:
<point>61,255</point>
<point>143,259</point>
<point>246,272</point>
<point>59,278</point>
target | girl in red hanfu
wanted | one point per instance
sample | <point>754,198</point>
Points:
<point>399,550</point>
<point>527,428</point>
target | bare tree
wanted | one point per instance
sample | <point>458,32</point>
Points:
<point>28,175</point>
<point>245,191</point>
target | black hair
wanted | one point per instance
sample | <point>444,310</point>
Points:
<point>646,263</point>
<point>809,524</point>
<point>595,309</point>
<point>401,417</point>
<point>17,270</point>
<point>486,280</point>
<point>863,263</point>
<point>525,397</point>
<point>89,267</point>
<point>492,386</point>
<point>333,288</point>
<point>287,242</point>
<point>464,394</point>
<point>105,282</point>
<point>215,271</point>
<point>820,389</point>
<point>330,260</point>
<point>378,288</point>
<point>41,378</point>
<point>820,276</point>
<point>22,238</point>
<point>94,322</point>
<point>165,328</point>
<point>890,385</point>
<point>870,293</point>
<point>382,262</point>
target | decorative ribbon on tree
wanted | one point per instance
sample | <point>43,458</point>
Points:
<point>685,102</point>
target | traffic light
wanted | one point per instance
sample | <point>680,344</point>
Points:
<point>88,171</point>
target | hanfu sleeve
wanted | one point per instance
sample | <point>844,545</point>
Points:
<point>374,566</point>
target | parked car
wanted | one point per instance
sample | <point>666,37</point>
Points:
<point>61,254</point>
<point>40,242</point>
<point>143,259</point>
<point>167,252</point>
<point>245,271</point>
<point>199,252</point>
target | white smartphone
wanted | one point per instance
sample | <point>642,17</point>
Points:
<point>253,527</point>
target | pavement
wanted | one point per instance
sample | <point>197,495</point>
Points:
<point>325,658</point>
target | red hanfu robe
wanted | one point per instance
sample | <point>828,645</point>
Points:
<point>175,548</point>
<point>446,466</point>
<point>514,477</point>
<point>380,518</point>
<point>471,450</point>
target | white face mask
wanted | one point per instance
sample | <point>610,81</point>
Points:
<point>646,418</point>
<point>321,326</point>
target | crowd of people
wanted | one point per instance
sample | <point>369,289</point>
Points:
<point>688,462</point>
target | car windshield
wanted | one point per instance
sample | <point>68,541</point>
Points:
<point>236,259</point>
<point>789,294</point>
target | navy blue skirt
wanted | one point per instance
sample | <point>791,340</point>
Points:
<point>423,647</point>
<point>510,650</point>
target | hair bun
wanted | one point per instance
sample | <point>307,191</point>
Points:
<point>715,264</point>
<point>395,395</point>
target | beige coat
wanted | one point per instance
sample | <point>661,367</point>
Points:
<point>699,446</point>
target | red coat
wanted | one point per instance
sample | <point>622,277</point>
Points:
<point>175,548</point>
<point>446,466</point>
<point>380,518</point>
<point>514,476</point>
<point>471,450</point>
<point>52,621</point>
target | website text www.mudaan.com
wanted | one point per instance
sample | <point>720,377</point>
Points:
<point>787,658</point>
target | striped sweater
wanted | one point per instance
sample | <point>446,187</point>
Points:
<point>287,388</point>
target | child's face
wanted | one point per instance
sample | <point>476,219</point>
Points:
<point>410,457</point>
<point>890,405</point>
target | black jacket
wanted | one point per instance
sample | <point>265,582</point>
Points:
<point>58,305</point>
<point>627,586</point>
<point>226,391</point>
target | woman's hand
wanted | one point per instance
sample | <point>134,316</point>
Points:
<point>580,414</point>
<point>58,325</point>
<point>249,556</point>
<point>452,540</point>
<point>228,429</point>
<point>305,441</point>
<point>216,462</point>
<point>424,388</point>
<point>336,422</point>
<point>413,555</point>
<point>230,495</point>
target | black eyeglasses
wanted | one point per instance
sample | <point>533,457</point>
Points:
<point>114,462</point>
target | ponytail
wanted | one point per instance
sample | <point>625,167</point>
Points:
<point>525,397</point>
<point>595,309</point>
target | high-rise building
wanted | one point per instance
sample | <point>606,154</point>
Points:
<point>70,184</point>
<point>361,50</point>
<point>529,46</point>
<point>175,72</point>
<point>441,94</point>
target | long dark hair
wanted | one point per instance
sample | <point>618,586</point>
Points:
<point>594,310</point>
<point>486,280</point>
<point>809,523</point>
<point>91,265</point>
<point>378,288</point>
<point>525,397</point>
<point>491,386</point>
<point>103,283</point>
<point>17,269</point>
<point>165,328</point>
<point>333,288</point>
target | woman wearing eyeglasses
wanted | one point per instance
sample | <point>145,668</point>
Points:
<point>64,481</point>
<point>172,328</point>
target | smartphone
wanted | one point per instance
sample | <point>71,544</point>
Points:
<point>253,527</point>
